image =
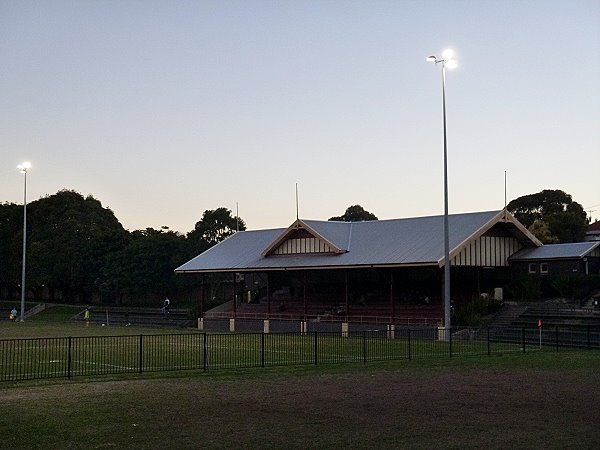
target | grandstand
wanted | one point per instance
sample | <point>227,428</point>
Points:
<point>137,316</point>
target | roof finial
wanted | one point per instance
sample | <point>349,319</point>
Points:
<point>505,211</point>
<point>297,214</point>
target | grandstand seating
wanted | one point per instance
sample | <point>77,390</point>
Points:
<point>321,309</point>
<point>138,316</point>
<point>551,314</point>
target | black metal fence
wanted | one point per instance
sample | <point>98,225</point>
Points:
<point>67,357</point>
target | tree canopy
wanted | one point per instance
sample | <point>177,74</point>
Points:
<point>214,226</point>
<point>551,215</point>
<point>78,251</point>
<point>355,213</point>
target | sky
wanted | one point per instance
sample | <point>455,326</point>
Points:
<point>164,109</point>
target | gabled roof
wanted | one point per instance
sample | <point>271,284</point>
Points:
<point>335,236</point>
<point>555,251</point>
<point>594,228</point>
<point>379,243</point>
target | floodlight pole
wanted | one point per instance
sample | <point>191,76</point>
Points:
<point>24,168</point>
<point>447,302</point>
<point>446,57</point>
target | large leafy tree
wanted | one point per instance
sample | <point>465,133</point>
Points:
<point>70,238</point>
<point>77,249</point>
<point>143,269</point>
<point>214,226</point>
<point>11,235</point>
<point>552,214</point>
<point>355,213</point>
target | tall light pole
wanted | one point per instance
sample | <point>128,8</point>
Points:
<point>447,60</point>
<point>24,167</point>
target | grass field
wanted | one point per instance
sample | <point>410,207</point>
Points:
<point>94,350</point>
<point>507,400</point>
<point>512,401</point>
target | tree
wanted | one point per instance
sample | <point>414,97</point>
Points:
<point>541,230</point>
<point>69,240</point>
<point>213,227</point>
<point>11,237</point>
<point>355,213</point>
<point>565,218</point>
<point>143,269</point>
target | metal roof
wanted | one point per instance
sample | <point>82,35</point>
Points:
<point>555,251</point>
<point>414,241</point>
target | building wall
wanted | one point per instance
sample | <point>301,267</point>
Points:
<point>487,251</point>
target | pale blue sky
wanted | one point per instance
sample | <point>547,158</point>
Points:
<point>163,109</point>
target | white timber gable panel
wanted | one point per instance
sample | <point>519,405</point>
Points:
<point>295,246</point>
<point>487,251</point>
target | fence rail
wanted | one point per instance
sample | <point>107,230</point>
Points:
<point>67,357</point>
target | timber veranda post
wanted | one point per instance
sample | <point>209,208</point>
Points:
<point>346,294</point>
<point>202,295</point>
<point>392,306</point>
<point>234,284</point>
<point>268,298</point>
<point>304,294</point>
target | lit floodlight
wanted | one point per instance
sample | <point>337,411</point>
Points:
<point>448,54</point>
<point>447,60</point>
<point>24,167</point>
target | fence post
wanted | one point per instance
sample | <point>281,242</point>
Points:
<point>556,336</point>
<point>523,338</point>
<point>141,358</point>
<point>315,348</point>
<point>409,348</point>
<point>69,358</point>
<point>204,352</point>
<point>488,341</point>
<point>364,346</point>
<point>450,339</point>
<point>262,350</point>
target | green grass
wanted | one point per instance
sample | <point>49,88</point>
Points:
<point>74,349</point>
<point>509,401</point>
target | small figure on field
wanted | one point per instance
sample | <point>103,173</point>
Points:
<point>86,316</point>
<point>166,309</point>
<point>127,323</point>
<point>13,315</point>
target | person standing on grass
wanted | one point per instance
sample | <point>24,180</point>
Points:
<point>13,315</point>
<point>166,309</point>
<point>86,316</point>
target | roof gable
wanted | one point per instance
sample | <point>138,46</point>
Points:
<point>302,238</point>
<point>383,243</point>
<point>512,226</point>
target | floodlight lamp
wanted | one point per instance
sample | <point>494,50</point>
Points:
<point>448,53</point>
<point>431,59</point>
<point>24,167</point>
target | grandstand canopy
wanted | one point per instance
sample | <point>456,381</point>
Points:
<point>481,239</point>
